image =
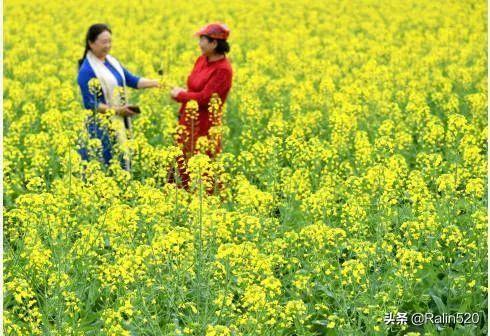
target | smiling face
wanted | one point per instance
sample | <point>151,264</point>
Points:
<point>102,44</point>
<point>207,48</point>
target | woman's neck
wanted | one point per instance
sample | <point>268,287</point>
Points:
<point>215,57</point>
<point>102,58</point>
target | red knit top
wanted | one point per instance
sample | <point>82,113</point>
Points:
<point>205,79</point>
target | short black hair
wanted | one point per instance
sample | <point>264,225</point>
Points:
<point>222,47</point>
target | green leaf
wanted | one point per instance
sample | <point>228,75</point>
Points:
<point>440,305</point>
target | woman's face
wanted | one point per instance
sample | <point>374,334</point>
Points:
<point>207,48</point>
<point>102,45</point>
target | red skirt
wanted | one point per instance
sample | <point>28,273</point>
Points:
<point>195,135</point>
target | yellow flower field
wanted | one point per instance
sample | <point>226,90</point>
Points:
<point>354,167</point>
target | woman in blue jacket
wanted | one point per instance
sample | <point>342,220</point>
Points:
<point>113,78</point>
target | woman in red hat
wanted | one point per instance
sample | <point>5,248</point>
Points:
<point>211,77</point>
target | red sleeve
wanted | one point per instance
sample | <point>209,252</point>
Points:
<point>219,82</point>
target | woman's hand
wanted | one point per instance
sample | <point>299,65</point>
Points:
<point>124,111</point>
<point>175,91</point>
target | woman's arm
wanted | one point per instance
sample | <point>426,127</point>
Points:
<point>145,83</point>
<point>89,101</point>
<point>119,110</point>
<point>139,82</point>
<point>219,82</point>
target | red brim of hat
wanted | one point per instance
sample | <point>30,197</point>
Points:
<point>200,32</point>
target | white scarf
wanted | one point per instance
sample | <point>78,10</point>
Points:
<point>107,79</point>
<point>109,83</point>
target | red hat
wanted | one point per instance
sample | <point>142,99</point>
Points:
<point>215,30</point>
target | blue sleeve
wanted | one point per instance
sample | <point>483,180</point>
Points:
<point>131,80</point>
<point>88,98</point>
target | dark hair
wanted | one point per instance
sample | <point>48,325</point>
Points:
<point>222,47</point>
<point>92,34</point>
